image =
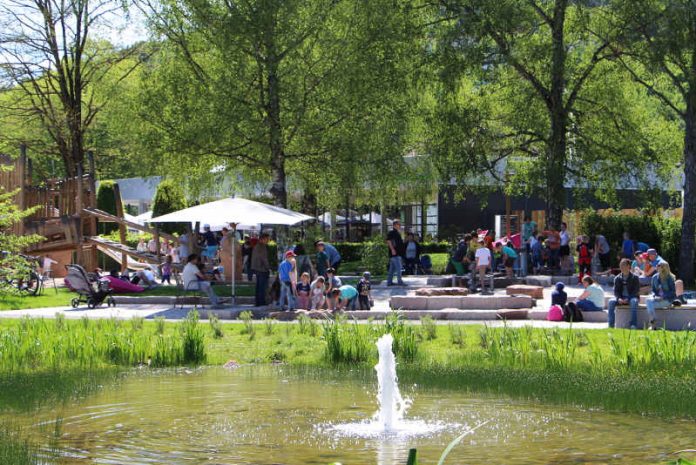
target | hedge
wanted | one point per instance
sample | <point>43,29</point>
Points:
<point>169,198</point>
<point>353,251</point>
<point>662,234</point>
<point>106,201</point>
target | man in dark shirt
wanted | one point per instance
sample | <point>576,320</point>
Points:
<point>626,292</point>
<point>396,250</point>
<point>261,268</point>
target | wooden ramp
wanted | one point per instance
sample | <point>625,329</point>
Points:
<point>109,218</point>
<point>113,249</point>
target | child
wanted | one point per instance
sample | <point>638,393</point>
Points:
<point>303,290</point>
<point>332,280</point>
<point>584,257</point>
<point>287,275</point>
<point>317,294</point>
<point>166,270</point>
<point>559,296</point>
<point>322,260</point>
<point>536,245</point>
<point>364,288</point>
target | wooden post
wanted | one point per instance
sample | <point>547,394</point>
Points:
<point>93,192</point>
<point>122,233</point>
<point>78,213</point>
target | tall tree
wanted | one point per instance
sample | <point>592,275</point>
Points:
<point>273,86</point>
<point>48,56</point>
<point>658,50</point>
<point>529,64</point>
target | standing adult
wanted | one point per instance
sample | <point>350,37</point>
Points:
<point>412,251</point>
<point>332,253</point>
<point>184,250</point>
<point>396,250</point>
<point>564,250</point>
<point>261,268</point>
<point>602,250</point>
<point>528,233</point>
<point>210,243</point>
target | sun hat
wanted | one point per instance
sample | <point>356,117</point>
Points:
<point>290,253</point>
<point>651,252</point>
<point>367,274</point>
<point>560,286</point>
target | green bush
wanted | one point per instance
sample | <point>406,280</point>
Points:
<point>106,201</point>
<point>352,251</point>
<point>654,231</point>
<point>169,198</point>
<point>374,257</point>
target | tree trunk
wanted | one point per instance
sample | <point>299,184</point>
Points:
<point>557,145</point>
<point>686,249</point>
<point>309,203</point>
<point>275,129</point>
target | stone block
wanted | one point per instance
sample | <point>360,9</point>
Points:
<point>434,291</point>
<point>515,302</point>
<point>595,317</point>
<point>439,281</point>
<point>535,292</point>
<point>509,314</point>
<point>408,302</point>
<point>539,280</point>
<point>673,319</point>
<point>443,302</point>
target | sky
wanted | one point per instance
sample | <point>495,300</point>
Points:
<point>124,29</point>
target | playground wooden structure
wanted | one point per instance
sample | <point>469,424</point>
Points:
<point>64,213</point>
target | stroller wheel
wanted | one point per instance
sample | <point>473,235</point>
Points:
<point>110,302</point>
<point>91,303</point>
<point>74,303</point>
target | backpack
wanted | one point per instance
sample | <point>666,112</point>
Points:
<point>572,313</point>
<point>555,313</point>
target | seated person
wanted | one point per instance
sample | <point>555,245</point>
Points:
<point>664,291</point>
<point>194,279</point>
<point>626,292</point>
<point>592,298</point>
<point>345,297</point>
<point>559,296</point>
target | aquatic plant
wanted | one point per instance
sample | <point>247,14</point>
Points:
<point>193,343</point>
<point>215,326</point>
<point>428,327</point>
<point>247,319</point>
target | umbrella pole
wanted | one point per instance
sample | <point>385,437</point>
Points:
<point>234,264</point>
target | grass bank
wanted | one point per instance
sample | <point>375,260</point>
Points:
<point>641,372</point>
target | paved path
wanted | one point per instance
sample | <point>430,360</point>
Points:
<point>381,295</point>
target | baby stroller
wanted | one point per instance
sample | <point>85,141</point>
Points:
<point>90,289</point>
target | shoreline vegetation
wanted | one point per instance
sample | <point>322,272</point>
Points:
<point>45,362</point>
<point>636,372</point>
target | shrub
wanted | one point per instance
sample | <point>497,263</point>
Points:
<point>169,198</point>
<point>374,257</point>
<point>106,201</point>
<point>429,327</point>
<point>215,326</point>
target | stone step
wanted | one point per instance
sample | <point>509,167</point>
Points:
<point>674,319</point>
<point>470,302</point>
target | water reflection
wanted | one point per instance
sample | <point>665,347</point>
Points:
<point>262,415</point>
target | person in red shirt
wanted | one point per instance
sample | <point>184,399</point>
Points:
<point>584,257</point>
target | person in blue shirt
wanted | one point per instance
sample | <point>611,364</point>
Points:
<point>287,275</point>
<point>628,247</point>
<point>331,252</point>
<point>345,297</point>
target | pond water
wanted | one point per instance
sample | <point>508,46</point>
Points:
<point>279,415</point>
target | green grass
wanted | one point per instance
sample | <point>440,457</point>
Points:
<point>49,298</point>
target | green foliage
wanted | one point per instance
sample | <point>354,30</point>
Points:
<point>374,257</point>
<point>12,265</point>
<point>215,326</point>
<point>249,327</point>
<point>106,201</point>
<point>428,327</point>
<point>664,234</point>
<point>169,198</point>
<point>193,340</point>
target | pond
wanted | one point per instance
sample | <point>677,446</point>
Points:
<point>282,415</point>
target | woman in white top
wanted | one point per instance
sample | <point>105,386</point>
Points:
<point>592,298</point>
